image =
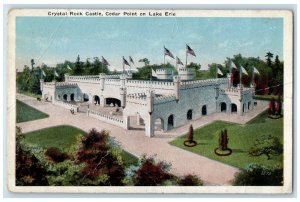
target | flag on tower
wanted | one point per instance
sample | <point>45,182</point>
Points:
<point>55,73</point>
<point>44,74</point>
<point>190,50</point>
<point>131,60</point>
<point>104,61</point>
<point>243,70</point>
<point>178,61</point>
<point>168,53</point>
<point>125,62</point>
<point>233,65</point>
<point>69,68</point>
<point>153,73</point>
<point>219,71</point>
<point>255,71</point>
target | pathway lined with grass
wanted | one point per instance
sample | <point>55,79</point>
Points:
<point>135,142</point>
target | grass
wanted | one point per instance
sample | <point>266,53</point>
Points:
<point>64,137</point>
<point>241,138</point>
<point>27,113</point>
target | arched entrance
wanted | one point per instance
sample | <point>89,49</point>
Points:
<point>204,110</point>
<point>65,97</point>
<point>159,124</point>
<point>189,114</point>
<point>170,122</point>
<point>249,104</point>
<point>58,97</point>
<point>233,108</point>
<point>96,100</point>
<point>223,107</point>
<point>86,97</point>
<point>72,97</point>
<point>113,101</point>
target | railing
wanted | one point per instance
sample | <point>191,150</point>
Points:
<point>106,118</point>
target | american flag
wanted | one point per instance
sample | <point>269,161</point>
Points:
<point>125,62</point>
<point>190,50</point>
<point>178,61</point>
<point>104,61</point>
<point>131,60</point>
<point>168,53</point>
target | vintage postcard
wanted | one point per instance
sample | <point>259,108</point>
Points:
<point>150,101</point>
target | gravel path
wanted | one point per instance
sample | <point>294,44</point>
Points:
<point>134,141</point>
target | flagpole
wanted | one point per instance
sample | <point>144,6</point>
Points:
<point>186,56</point>
<point>241,76</point>
<point>164,55</point>
<point>123,65</point>
<point>253,76</point>
<point>176,64</point>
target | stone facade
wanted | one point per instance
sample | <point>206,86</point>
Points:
<point>172,103</point>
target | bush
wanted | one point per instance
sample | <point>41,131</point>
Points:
<point>258,175</point>
<point>151,173</point>
<point>190,180</point>
<point>56,155</point>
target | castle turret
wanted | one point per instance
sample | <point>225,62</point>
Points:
<point>230,80</point>
<point>176,80</point>
<point>102,80</point>
<point>123,79</point>
<point>123,96</point>
<point>150,100</point>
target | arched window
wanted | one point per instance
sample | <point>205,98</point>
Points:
<point>171,122</point>
<point>223,107</point>
<point>204,110</point>
<point>189,115</point>
<point>65,97</point>
<point>233,108</point>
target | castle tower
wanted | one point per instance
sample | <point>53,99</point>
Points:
<point>102,80</point>
<point>150,100</point>
<point>230,80</point>
<point>123,96</point>
<point>176,80</point>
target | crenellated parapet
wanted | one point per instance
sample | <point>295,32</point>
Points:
<point>236,91</point>
<point>202,83</point>
<point>164,99</point>
<point>66,85</point>
<point>137,98</point>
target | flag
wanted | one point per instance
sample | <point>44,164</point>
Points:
<point>125,62</point>
<point>69,68</point>
<point>219,71</point>
<point>131,60</point>
<point>153,73</point>
<point>104,61</point>
<point>255,71</point>
<point>178,61</point>
<point>44,74</point>
<point>233,65</point>
<point>168,53</point>
<point>190,51</point>
<point>243,70</point>
<point>55,73</point>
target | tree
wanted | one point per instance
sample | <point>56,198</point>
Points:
<point>191,134</point>
<point>266,145</point>
<point>145,61</point>
<point>269,57</point>
<point>190,180</point>
<point>151,173</point>
<point>103,163</point>
<point>258,175</point>
<point>78,69</point>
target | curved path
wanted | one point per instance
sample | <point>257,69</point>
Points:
<point>134,141</point>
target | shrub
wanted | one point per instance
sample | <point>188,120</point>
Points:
<point>190,180</point>
<point>151,173</point>
<point>258,175</point>
<point>56,155</point>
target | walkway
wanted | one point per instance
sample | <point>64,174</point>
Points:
<point>134,141</point>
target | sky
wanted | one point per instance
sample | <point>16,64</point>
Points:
<point>53,40</point>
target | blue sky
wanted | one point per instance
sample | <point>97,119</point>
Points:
<point>52,40</point>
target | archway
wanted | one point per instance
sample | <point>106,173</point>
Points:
<point>116,102</point>
<point>189,114</point>
<point>159,124</point>
<point>72,97</point>
<point>233,108</point>
<point>249,104</point>
<point>86,97</point>
<point>96,100</point>
<point>204,110</point>
<point>223,107</point>
<point>170,122</point>
<point>65,97</point>
<point>58,97</point>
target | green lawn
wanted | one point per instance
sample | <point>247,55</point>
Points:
<point>27,113</point>
<point>64,138</point>
<point>31,94</point>
<point>241,138</point>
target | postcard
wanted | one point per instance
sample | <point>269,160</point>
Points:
<point>150,101</point>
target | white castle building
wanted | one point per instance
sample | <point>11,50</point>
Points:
<point>173,103</point>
